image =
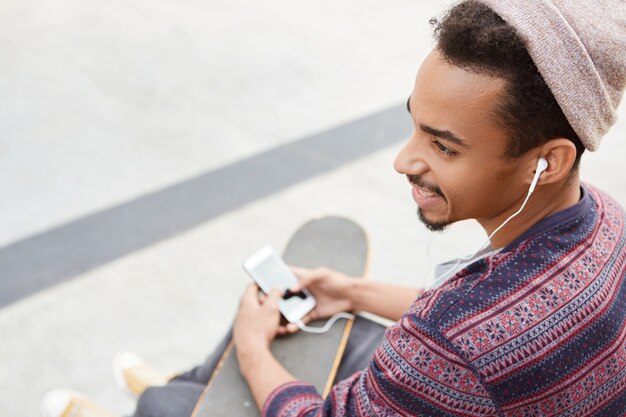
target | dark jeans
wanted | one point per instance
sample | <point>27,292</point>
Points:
<point>179,397</point>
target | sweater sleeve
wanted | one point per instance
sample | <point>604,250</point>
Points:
<point>415,371</point>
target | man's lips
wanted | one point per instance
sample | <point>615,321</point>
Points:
<point>425,189</point>
<point>426,197</point>
<point>424,192</point>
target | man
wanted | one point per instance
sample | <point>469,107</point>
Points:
<point>538,325</point>
<point>535,324</point>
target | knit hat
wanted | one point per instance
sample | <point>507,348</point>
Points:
<point>579,47</point>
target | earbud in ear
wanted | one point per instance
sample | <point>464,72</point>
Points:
<point>542,165</point>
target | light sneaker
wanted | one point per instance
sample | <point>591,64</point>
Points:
<point>66,403</point>
<point>134,375</point>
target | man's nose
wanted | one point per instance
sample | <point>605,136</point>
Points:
<point>409,160</point>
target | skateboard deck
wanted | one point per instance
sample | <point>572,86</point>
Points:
<point>333,242</point>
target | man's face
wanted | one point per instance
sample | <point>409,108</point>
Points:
<point>455,158</point>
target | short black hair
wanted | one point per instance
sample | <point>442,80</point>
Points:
<point>473,37</point>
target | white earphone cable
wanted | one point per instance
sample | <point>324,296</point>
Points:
<point>326,326</point>
<point>542,164</point>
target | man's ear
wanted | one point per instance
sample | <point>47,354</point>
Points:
<point>560,154</point>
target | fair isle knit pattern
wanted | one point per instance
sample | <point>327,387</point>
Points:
<point>536,330</point>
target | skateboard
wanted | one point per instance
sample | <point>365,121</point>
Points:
<point>333,242</point>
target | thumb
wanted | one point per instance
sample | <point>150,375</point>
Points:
<point>251,292</point>
<point>304,276</point>
<point>304,282</point>
<point>274,296</point>
<point>299,271</point>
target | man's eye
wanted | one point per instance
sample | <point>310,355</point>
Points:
<point>443,149</point>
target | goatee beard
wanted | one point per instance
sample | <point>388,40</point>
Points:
<point>432,226</point>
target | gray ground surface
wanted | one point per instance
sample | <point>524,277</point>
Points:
<point>104,104</point>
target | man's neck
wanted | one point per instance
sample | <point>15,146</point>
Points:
<point>545,200</point>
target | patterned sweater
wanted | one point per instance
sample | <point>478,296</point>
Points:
<point>536,330</point>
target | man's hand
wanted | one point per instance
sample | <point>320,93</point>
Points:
<point>257,321</point>
<point>255,327</point>
<point>331,290</point>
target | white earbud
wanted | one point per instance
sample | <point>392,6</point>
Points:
<point>542,165</point>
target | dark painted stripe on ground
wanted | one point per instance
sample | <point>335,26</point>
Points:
<point>46,259</point>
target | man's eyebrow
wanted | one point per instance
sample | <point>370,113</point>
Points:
<point>443,134</point>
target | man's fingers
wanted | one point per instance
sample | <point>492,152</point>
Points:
<point>291,328</point>
<point>276,293</point>
<point>299,272</point>
<point>250,293</point>
<point>273,297</point>
<point>305,276</point>
<point>309,317</point>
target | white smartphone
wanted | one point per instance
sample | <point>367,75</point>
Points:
<point>269,271</point>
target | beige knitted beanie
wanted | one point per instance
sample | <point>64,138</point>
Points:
<point>579,47</point>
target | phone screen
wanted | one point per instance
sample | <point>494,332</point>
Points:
<point>275,274</point>
<point>269,271</point>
